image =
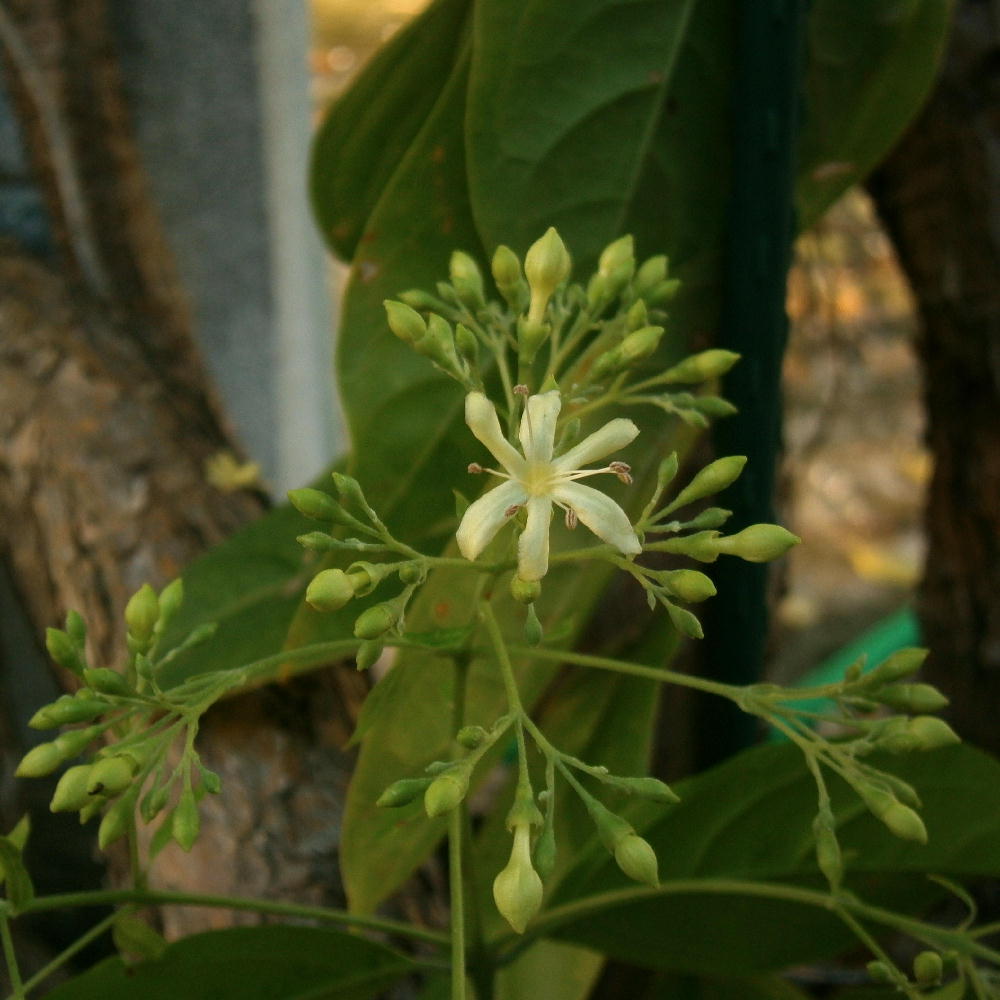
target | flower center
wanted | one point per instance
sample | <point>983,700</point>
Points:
<point>538,479</point>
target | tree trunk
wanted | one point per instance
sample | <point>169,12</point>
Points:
<point>108,419</point>
<point>939,195</point>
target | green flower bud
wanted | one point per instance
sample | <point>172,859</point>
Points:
<point>40,761</point>
<point>617,256</point>
<point>171,599</point>
<point>900,819</point>
<point>711,517</point>
<point>533,632</point>
<point>650,275</point>
<point>71,791</point>
<point>76,628</point>
<point>921,698</point>
<point>116,822</point>
<point>897,738</point>
<point>701,367</point>
<point>366,576</point>
<point>376,621</point>
<point>544,854</point>
<point>714,478</point>
<point>880,973</point>
<point>530,337</point>
<point>546,266</point>
<point>690,585</point>
<point>663,292</point>
<point>92,808</point>
<point>446,791</point>
<point>329,590</point>
<point>467,346</point>
<point>471,737</point>
<point>110,776</point>
<point>368,653</point>
<point>928,968</point>
<point>63,651</point>
<point>525,591</point>
<point>142,613</point>
<point>438,344</point>
<point>403,792</point>
<point>153,802</point>
<point>637,316</point>
<point>828,853</point>
<point>702,545</point>
<point>637,860</point>
<point>685,622</point>
<point>759,543</point>
<point>314,504</point>
<point>210,781</point>
<point>103,680</point>
<point>417,298</point>
<point>900,665</point>
<point>404,321</point>
<point>186,822</point>
<point>316,541</point>
<point>467,280</point>
<point>75,741</point>
<point>66,710</point>
<point>412,572</point>
<point>640,344</point>
<point>644,787</point>
<point>932,733</point>
<point>714,406</point>
<point>509,281</point>
<point>517,890</point>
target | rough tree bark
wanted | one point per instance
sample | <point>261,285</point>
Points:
<point>939,195</point>
<point>107,420</point>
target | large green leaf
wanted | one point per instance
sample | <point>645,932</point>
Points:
<point>564,100</point>
<point>367,132</point>
<point>748,820</point>
<point>869,68</point>
<point>249,963</point>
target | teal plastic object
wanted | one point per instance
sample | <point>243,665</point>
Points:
<point>896,632</point>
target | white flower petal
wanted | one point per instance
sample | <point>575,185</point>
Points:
<point>486,516</point>
<point>601,514</point>
<point>533,545</point>
<point>537,432</point>
<point>481,416</point>
<point>613,435</point>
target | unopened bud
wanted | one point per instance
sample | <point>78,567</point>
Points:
<point>759,543</point>
<point>920,698</point>
<point>412,572</point>
<point>637,860</point>
<point>171,599</point>
<point>329,590</point>
<point>314,504</point>
<point>76,628</point>
<point>115,823</point>
<point>880,972</point>
<point>376,621</point>
<point>403,792</point>
<point>828,853</point>
<point>467,346</point>
<point>546,265</point>
<point>544,854</point>
<point>517,890</point>
<point>438,344</point>
<point>186,822</point>
<point>703,546</point>
<point>652,273</point>
<point>640,344</point>
<point>690,585</point>
<point>467,280</point>
<point>110,776</point>
<point>471,737</point>
<point>932,733</point>
<point>646,788</point>
<point>446,791</point>
<point>900,665</point>
<point>663,292</point>
<point>900,819</point>
<point>153,802</point>
<point>928,968</point>
<point>64,651</point>
<point>142,613</point>
<point>533,633</point>
<point>104,680</point>
<point>617,256</point>
<point>509,281</point>
<point>701,367</point>
<point>525,591</point>
<point>714,406</point>
<point>368,654</point>
<point>40,761</point>
<point>714,478</point>
<point>66,710</point>
<point>71,791</point>
<point>637,316</point>
<point>404,321</point>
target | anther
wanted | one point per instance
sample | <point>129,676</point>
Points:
<point>475,469</point>
<point>571,519</point>
<point>622,471</point>
<point>521,390</point>
<point>512,510</point>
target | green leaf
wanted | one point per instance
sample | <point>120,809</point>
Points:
<point>749,821</point>
<point>14,875</point>
<point>564,100</point>
<point>869,69</point>
<point>568,973</point>
<point>249,963</point>
<point>368,130</point>
<point>670,987</point>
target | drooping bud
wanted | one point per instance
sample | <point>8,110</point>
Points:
<point>880,973</point>
<point>828,853</point>
<point>701,367</point>
<point>368,654</point>
<point>329,590</point>
<point>71,790</point>
<point>525,591</point>
<point>116,822</point>
<point>928,968</point>
<point>714,478</point>
<point>402,792</point>
<point>153,802</point>
<point>186,822</point>
<point>544,854</point>
<point>517,890</point>
<point>900,819</point>
<point>921,698</point>
<point>533,633</point>
<point>759,543</point>
<point>110,776</point>
<point>142,613</point>
<point>467,280</point>
<point>637,859</point>
<point>446,791</point>
<point>404,321</point>
<point>690,585</point>
<point>64,651</point>
<point>374,622</point>
<point>684,621</point>
<point>546,266</point>
<point>644,787</point>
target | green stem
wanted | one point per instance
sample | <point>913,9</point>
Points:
<point>67,953</point>
<point>457,888</point>
<point>861,933</point>
<point>160,897</point>
<point>14,970</point>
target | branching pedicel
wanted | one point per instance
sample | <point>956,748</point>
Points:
<point>553,355</point>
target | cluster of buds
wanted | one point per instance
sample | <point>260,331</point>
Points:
<point>123,714</point>
<point>334,587</point>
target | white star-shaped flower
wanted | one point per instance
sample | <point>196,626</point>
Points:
<point>536,480</point>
